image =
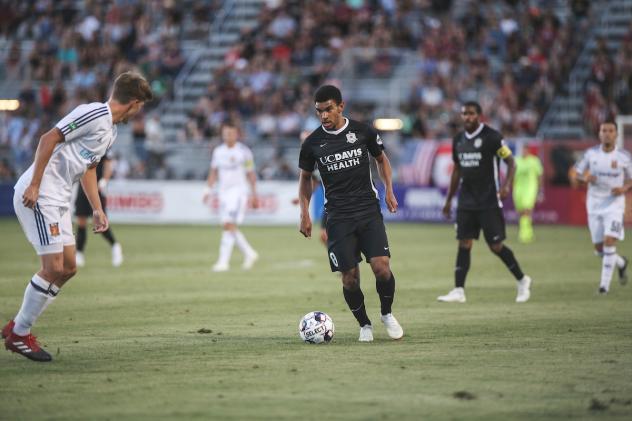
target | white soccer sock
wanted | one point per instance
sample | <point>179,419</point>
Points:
<point>243,244</point>
<point>226,247</point>
<point>607,266</point>
<point>39,294</point>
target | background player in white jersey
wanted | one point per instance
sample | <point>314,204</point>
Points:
<point>233,170</point>
<point>67,153</point>
<point>607,171</point>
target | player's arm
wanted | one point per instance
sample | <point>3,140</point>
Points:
<point>252,181</point>
<point>385,171</point>
<point>210,182</point>
<point>305,189</point>
<point>91,189</point>
<point>44,151</point>
<point>505,154</point>
<point>455,178</point>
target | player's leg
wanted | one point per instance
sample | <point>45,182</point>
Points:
<point>467,230</point>
<point>344,256</point>
<point>524,201</point>
<point>374,245</point>
<point>250,255</point>
<point>323,228</point>
<point>493,224</point>
<point>613,231</point>
<point>229,207</point>
<point>108,235</point>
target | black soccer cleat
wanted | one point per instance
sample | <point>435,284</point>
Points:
<point>27,346</point>
<point>623,272</point>
<point>602,291</point>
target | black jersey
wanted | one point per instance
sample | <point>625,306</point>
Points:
<point>100,166</point>
<point>478,156</point>
<point>342,158</point>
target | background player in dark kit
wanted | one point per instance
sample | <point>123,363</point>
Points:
<point>340,150</point>
<point>83,211</point>
<point>476,153</point>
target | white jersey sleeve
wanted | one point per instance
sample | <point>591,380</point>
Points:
<point>82,120</point>
<point>249,161</point>
<point>582,165</point>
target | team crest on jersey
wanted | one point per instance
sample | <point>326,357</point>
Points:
<point>351,137</point>
<point>478,142</point>
<point>54,229</point>
<point>613,165</point>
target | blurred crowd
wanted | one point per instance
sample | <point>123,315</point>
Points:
<point>64,53</point>
<point>511,56</point>
<point>608,90</point>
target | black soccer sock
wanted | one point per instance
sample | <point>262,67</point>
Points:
<point>109,236</point>
<point>355,301</point>
<point>81,238</point>
<point>507,256</point>
<point>386,291</point>
<point>462,266</point>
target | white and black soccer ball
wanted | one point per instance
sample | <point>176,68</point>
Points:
<point>316,327</point>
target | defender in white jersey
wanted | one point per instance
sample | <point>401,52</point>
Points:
<point>67,153</point>
<point>607,170</point>
<point>232,169</point>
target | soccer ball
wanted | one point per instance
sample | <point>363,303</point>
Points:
<point>316,327</point>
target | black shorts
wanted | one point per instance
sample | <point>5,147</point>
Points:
<point>470,222</point>
<point>82,206</point>
<point>349,237</point>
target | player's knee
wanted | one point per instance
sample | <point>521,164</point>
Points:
<point>465,244</point>
<point>350,280</point>
<point>496,247</point>
<point>381,269</point>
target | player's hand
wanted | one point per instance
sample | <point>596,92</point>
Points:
<point>617,191</point>
<point>29,198</point>
<point>504,192</point>
<point>295,201</point>
<point>447,209</point>
<point>306,226</point>
<point>103,185</point>
<point>589,178</point>
<point>99,221</point>
<point>254,201</point>
<point>391,201</point>
<point>206,198</point>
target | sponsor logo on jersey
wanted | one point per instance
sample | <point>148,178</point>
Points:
<point>478,142</point>
<point>93,160</point>
<point>351,137</point>
<point>470,159</point>
<point>54,229</point>
<point>341,160</point>
<point>72,126</point>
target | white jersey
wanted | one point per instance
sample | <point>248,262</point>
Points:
<point>232,165</point>
<point>88,134</point>
<point>611,170</point>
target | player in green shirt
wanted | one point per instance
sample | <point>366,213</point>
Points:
<point>527,183</point>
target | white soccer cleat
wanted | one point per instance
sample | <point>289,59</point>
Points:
<point>457,295</point>
<point>220,267</point>
<point>117,255</point>
<point>80,259</point>
<point>366,333</point>
<point>249,260</point>
<point>393,328</point>
<point>524,290</point>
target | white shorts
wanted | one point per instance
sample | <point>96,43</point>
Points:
<point>48,228</point>
<point>605,225</point>
<point>232,207</point>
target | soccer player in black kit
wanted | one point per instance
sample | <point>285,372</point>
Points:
<point>341,150</point>
<point>476,153</point>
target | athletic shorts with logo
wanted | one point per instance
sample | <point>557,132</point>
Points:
<point>349,238</point>
<point>232,206</point>
<point>47,227</point>
<point>469,224</point>
<point>606,224</point>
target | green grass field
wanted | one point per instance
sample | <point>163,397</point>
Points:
<point>126,345</point>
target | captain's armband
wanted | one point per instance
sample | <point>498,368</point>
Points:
<point>503,152</point>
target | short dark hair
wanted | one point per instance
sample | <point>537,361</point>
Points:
<point>327,92</point>
<point>130,86</point>
<point>229,122</point>
<point>610,121</point>
<point>476,105</point>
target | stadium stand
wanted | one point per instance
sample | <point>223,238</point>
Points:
<point>535,66</point>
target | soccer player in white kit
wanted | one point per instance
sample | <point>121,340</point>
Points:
<point>67,153</point>
<point>607,170</point>
<point>233,170</point>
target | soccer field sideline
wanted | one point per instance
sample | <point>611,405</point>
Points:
<point>128,339</point>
